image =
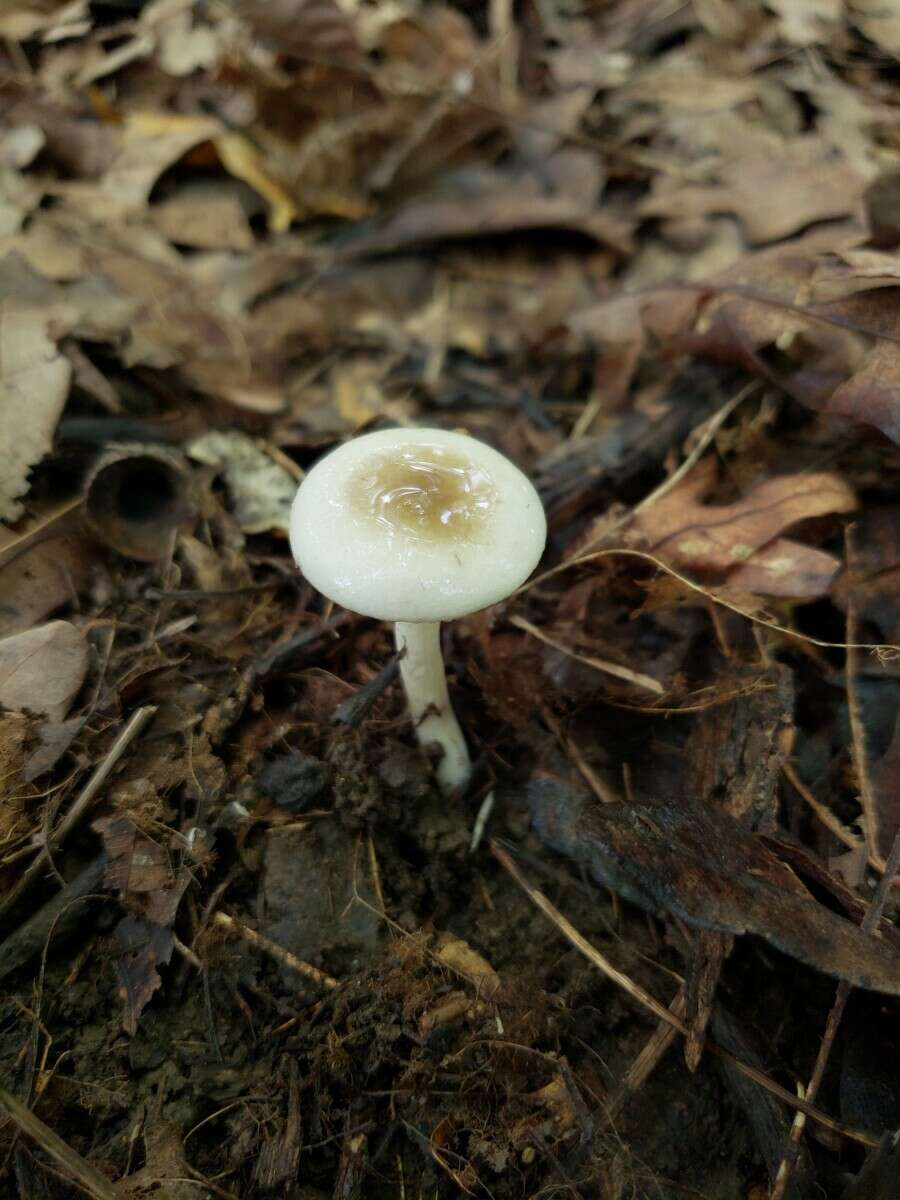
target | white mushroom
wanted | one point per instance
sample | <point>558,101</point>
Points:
<point>419,526</point>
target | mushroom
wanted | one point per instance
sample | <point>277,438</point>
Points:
<point>419,526</point>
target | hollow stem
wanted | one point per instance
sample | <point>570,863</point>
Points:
<point>422,671</point>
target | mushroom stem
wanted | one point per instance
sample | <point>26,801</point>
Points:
<point>422,670</point>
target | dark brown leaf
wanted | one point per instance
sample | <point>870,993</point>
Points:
<point>695,861</point>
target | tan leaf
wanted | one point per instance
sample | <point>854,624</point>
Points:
<point>34,384</point>
<point>718,537</point>
<point>42,670</point>
<point>872,394</point>
<point>786,568</point>
<point>879,20</point>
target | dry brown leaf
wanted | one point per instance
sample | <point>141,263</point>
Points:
<point>42,578</point>
<point>459,955</point>
<point>183,43</point>
<point>885,779</point>
<point>207,218</point>
<point>786,568</point>
<point>19,22</point>
<point>476,201</point>
<point>807,22</point>
<point>879,20</point>
<point>718,537</point>
<point>853,269</point>
<point>147,144</point>
<point>872,394</point>
<point>241,159</point>
<point>42,669</point>
<point>261,488</point>
<point>34,383</point>
<point>775,188</point>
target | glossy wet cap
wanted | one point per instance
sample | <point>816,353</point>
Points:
<point>416,525</point>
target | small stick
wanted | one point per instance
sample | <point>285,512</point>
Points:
<point>80,806</point>
<point>854,710</point>
<point>599,664</point>
<point>665,1014</point>
<point>707,430</point>
<point>277,952</point>
<point>73,1165</point>
<point>648,1059</point>
<point>825,815</point>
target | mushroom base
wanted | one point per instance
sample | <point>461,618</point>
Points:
<point>422,671</point>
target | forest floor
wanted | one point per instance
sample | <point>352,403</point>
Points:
<point>651,252</point>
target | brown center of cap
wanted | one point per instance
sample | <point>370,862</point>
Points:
<point>424,492</point>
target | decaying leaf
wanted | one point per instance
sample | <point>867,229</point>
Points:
<point>143,873</point>
<point>657,855</point>
<point>879,21</point>
<point>459,955</point>
<point>261,488</point>
<point>885,780</point>
<point>34,383</point>
<point>786,568</point>
<point>725,536</point>
<point>42,669</point>
<point>775,187</point>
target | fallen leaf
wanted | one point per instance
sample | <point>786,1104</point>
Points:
<point>807,22</point>
<point>885,780</point>
<point>136,864</point>
<point>872,393</point>
<point>716,537</point>
<point>476,201</point>
<point>146,145</point>
<point>55,738</point>
<point>775,188</point>
<point>241,159</point>
<point>41,578</point>
<point>879,20</point>
<point>459,955</point>
<point>183,43</point>
<point>42,669</point>
<point>262,489</point>
<point>141,871</point>
<point>34,384</point>
<point>786,568</point>
<point>143,948</point>
<point>26,20</point>
<point>207,218</point>
<point>657,855</point>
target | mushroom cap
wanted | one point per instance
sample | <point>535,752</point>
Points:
<point>416,525</point>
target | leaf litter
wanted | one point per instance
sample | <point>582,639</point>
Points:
<point>651,254</point>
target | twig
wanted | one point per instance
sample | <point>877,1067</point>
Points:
<point>599,664</point>
<point>854,707</point>
<point>648,1059</point>
<point>710,428</point>
<point>885,648</point>
<point>825,815</point>
<point>75,1167</point>
<point>277,952</point>
<point>375,873</point>
<point>659,1010</point>
<point>80,806</point>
